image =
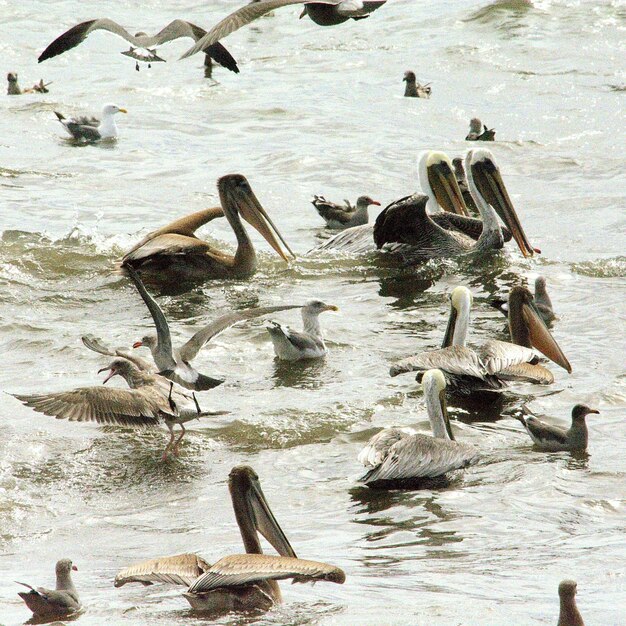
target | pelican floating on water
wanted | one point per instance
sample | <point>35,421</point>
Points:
<point>240,582</point>
<point>494,362</point>
<point>174,254</point>
<point>291,345</point>
<point>393,455</point>
<point>543,304</point>
<point>338,217</point>
<point>554,438</point>
<point>413,89</point>
<point>569,615</point>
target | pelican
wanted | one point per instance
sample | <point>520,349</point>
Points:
<point>340,217</point>
<point>92,128</point>
<point>142,45</point>
<point>61,601</point>
<point>324,13</point>
<point>393,455</point>
<point>569,615</point>
<point>148,403</point>
<point>494,362</point>
<point>543,304</point>
<point>174,254</point>
<point>240,582</point>
<point>413,89</point>
<point>554,438</point>
<point>480,132</point>
<point>291,345</point>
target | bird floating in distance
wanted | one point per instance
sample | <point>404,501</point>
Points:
<point>414,89</point>
<point>92,128</point>
<point>338,217</point>
<point>480,132</point>
<point>13,88</point>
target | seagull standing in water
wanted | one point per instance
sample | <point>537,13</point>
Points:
<point>92,128</point>
<point>291,345</point>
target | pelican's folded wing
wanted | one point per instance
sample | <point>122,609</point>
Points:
<point>377,448</point>
<point>354,240</point>
<point>457,360</point>
<point>498,356</point>
<point>166,245</point>
<point>245,569</point>
<point>181,569</point>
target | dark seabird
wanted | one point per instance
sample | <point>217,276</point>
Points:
<point>555,438</point>
<point>569,614</point>
<point>92,128</point>
<point>480,132</point>
<point>61,601</point>
<point>13,88</point>
<point>413,89</point>
<point>142,45</point>
<point>543,304</point>
<point>324,13</point>
<point>338,217</point>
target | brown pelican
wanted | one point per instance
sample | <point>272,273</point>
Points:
<point>13,88</point>
<point>324,13</point>
<point>393,455</point>
<point>240,582</point>
<point>92,128</point>
<point>142,45</point>
<point>554,438</point>
<point>480,132</point>
<point>413,89</point>
<point>148,403</point>
<point>173,254</point>
<point>339,217</point>
<point>290,345</point>
<point>175,364</point>
<point>61,601</point>
<point>543,304</point>
<point>494,362</point>
<point>568,613</point>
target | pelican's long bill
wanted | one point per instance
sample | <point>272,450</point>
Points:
<point>235,190</point>
<point>443,182</point>
<point>487,178</point>
<point>253,512</point>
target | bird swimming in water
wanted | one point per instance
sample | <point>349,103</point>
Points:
<point>542,301</point>
<point>92,128</point>
<point>61,601</point>
<point>569,615</point>
<point>480,132</point>
<point>413,89</point>
<point>13,88</point>
<point>339,217</point>
<point>555,438</point>
<point>291,345</point>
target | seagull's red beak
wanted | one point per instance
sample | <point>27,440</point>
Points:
<point>74,568</point>
<point>137,344</point>
<point>113,373</point>
<point>375,202</point>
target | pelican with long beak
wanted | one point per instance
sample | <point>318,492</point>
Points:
<point>174,253</point>
<point>393,456</point>
<point>494,362</point>
<point>240,582</point>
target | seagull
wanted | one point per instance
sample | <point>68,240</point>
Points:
<point>541,299</point>
<point>61,601</point>
<point>175,364</point>
<point>393,455</point>
<point>569,614</point>
<point>413,89</point>
<point>323,13</point>
<point>555,438</point>
<point>291,345</point>
<point>142,45</point>
<point>480,132</point>
<point>13,88</point>
<point>91,128</point>
<point>339,217</point>
<point>148,403</point>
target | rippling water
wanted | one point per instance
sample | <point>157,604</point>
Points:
<point>316,111</point>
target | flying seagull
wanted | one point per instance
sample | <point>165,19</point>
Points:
<point>324,13</point>
<point>175,364</point>
<point>142,45</point>
<point>92,128</point>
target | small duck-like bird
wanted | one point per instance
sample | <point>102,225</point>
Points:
<point>92,128</point>
<point>413,89</point>
<point>479,132</point>
<point>542,301</point>
<point>142,45</point>
<point>13,88</point>
<point>569,615</point>
<point>395,456</point>
<point>323,13</point>
<point>61,601</point>
<point>175,364</point>
<point>174,255</point>
<point>494,362</point>
<point>291,345</point>
<point>338,217</point>
<point>554,438</point>
<point>240,582</point>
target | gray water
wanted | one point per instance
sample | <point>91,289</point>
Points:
<point>316,111</point>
